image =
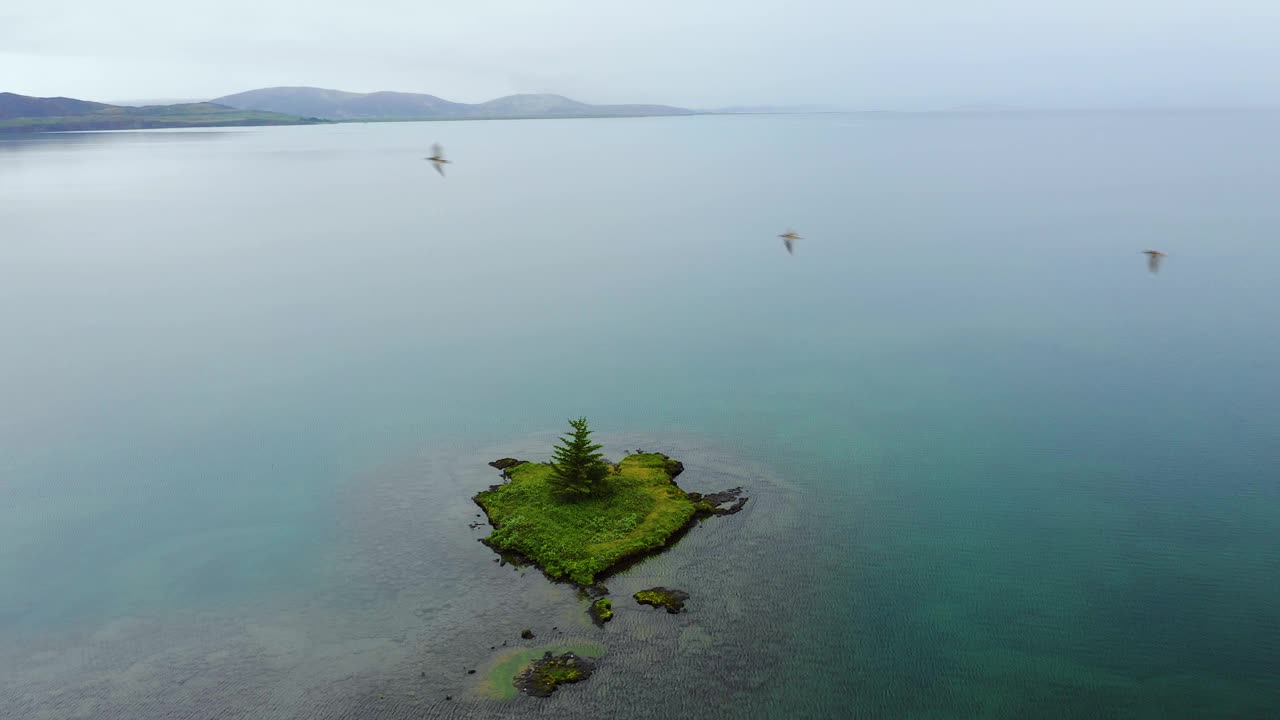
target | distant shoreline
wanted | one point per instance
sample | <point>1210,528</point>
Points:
<point>36,128</point>
<point>25,114</point>
<point>39,125</point>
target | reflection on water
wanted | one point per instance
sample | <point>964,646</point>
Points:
<point>80,141</point>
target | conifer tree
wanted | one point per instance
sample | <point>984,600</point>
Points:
<point>577,466</point>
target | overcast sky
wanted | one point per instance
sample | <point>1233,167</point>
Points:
<point>887,54</point>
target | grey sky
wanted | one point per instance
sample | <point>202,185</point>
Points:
<point>698,53</point>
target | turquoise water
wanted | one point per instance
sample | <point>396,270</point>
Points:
<point>250,380</point>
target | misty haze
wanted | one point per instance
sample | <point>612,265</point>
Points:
<point>676,360</point>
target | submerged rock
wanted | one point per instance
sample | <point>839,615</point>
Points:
<point>527,634</point>
<point>541,678</point>
<point>598,590</point>
<point>601,611</point>
<point>660,597</point>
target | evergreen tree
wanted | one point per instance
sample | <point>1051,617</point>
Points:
<point>577,466</point>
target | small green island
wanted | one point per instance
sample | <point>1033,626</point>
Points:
<point>601,611</point>
<point>578,517</point>
<point>541,677</point>
<point>669,599</point>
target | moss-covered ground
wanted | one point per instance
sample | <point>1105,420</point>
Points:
<point>601,611</point>
<point>544,675</point>
<point>513,662</point>
<point>660,597</point>
<point>637,510</point>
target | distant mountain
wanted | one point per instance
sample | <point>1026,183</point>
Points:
<point>156,101</point>
<point>20,113</point>
<point>21,106</point>
<point>544,105</point>
<point>339,105</point>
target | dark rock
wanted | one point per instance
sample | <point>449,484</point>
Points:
<point>674,467</point>
<point>660,597</point>
<point>710,503</point>
<point>504,463</point>
<point>448,697</point>
<point>541,678</point>
<point>526,634</point>
<point>471,672</point>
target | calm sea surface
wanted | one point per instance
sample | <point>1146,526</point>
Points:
<point>249,380</point>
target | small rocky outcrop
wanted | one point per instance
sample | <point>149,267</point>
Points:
<point>601,611</point>
<point>670,599</point>
<point>542,677</point>
<point>526,634</point>
<point>504,463</point>
<point>710,503</point>
<point>673,467</point>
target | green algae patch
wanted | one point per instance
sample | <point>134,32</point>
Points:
<point>601,611</point>
<point>499,679</point>
<point>637,509</point>
<point>660,597</point>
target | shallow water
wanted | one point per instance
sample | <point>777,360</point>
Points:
<point>251,379</point>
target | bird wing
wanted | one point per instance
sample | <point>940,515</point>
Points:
<point>437,151</point>
<point>787,242</point>
<point>439,168</point>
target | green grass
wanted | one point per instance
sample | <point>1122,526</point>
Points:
<point>602,610</point>
<point>637,510</point>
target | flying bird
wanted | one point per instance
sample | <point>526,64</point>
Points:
<point>1153,259</point>
<point>437,158</point>
<point>789,239</point>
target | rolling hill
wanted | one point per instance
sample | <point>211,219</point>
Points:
<point>339,105</point>
<point>21,113</point>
